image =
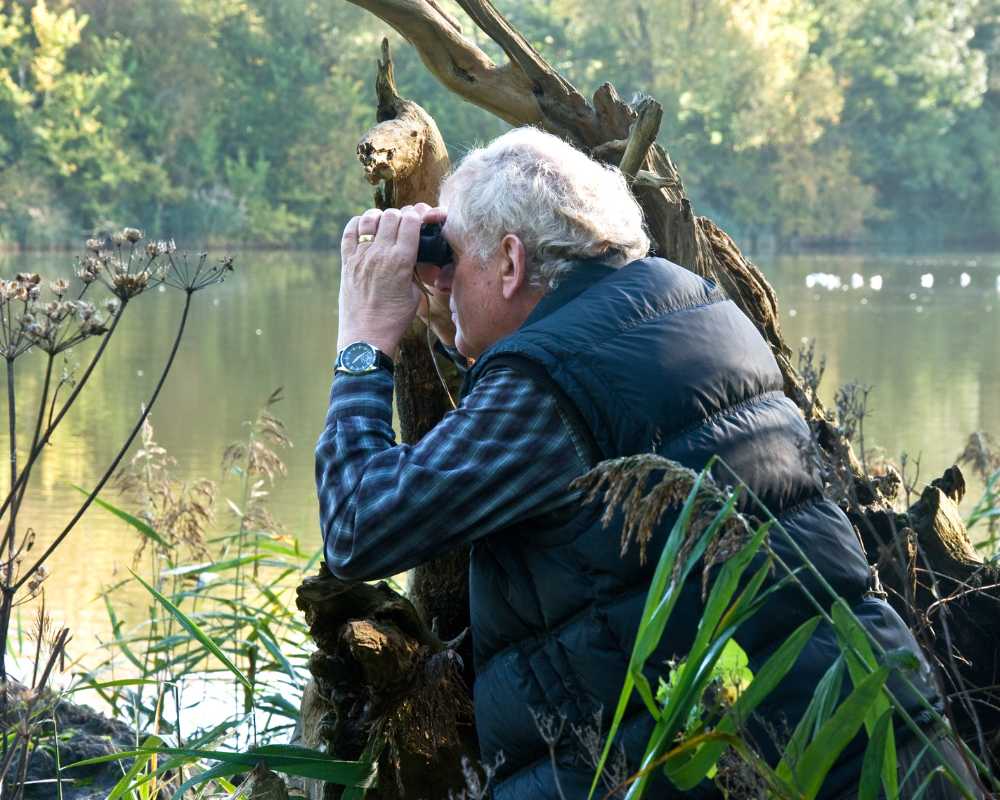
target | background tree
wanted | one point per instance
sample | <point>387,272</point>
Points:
<point>798,120</point>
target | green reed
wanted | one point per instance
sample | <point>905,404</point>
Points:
<point>692,737</point>
<point>221,621</point>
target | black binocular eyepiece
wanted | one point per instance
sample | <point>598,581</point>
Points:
<point>433,247</point>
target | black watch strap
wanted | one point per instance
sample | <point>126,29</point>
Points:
<point>382,361</point>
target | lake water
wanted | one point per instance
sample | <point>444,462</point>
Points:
<point>930,352</point>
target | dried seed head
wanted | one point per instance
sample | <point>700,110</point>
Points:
<point>128,285</point>
<point>59,287</point>
<point>89,268</point>
<point>35,330</point>
<point>625,483</point>
<point>119,238</point>
<point>132,234</point>
<point>84,310</point>
<point>93,326</point>
<point>94,245</point>
<point>160,248</point>
<point>111,305</point>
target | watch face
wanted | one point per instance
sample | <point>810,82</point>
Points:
<point>358,357</point>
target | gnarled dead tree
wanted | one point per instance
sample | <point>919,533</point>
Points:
<point>935,577</point>
<point>388,674</point>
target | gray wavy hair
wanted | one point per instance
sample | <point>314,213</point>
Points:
<point>562,204</point>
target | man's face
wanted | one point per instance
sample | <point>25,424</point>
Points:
<point>477,305</point>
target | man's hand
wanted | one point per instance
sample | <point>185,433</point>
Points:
<point>378,296</point>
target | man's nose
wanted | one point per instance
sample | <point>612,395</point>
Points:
<point>442,281</point>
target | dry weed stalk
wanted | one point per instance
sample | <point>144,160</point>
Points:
<point>27,707</point>
<point>982,453</point>
<point>257,461</point>
<point>50,317</point>
<point>180,512</point>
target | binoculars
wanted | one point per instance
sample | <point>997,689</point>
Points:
<point>433,248</point>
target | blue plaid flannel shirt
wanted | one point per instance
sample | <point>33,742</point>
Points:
<point>505,454</point>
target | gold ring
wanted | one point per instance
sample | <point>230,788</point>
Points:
<point>365,237</point>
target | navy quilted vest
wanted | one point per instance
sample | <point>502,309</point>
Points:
<point>646,358</point>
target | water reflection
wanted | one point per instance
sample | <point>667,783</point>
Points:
<point>273,323</point>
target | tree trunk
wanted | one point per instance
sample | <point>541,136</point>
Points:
<point>386,680</point>
<point>936,580</point>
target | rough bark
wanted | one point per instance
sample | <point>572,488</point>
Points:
<point>949,596</point>
<point>384,686</point>
<point>931,571</point>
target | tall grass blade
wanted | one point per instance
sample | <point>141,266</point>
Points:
<point>212,566</point>
<point>875,757</point>
<point>116,626</point>
<point>658,596</point>
<point>861,661</point>
<point>191,627</point>
<point>811,770</point>
<point>267,639</point>
<point>125,784</point>
<point>143,528</point>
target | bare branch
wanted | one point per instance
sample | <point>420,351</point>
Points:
<point>565,111</point>
<point>643,134</point>
<point>457,62</point>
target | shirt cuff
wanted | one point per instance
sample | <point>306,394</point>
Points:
<point>368,396</point>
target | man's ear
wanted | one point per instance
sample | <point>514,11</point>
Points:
<point>513,266</point>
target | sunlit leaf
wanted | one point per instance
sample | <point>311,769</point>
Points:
<point>763,683</point>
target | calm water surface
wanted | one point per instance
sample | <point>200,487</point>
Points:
<point>930,352</point>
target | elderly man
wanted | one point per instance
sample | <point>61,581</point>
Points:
<point>579,348</point>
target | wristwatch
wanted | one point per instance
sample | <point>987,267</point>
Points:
<point>361,358</point>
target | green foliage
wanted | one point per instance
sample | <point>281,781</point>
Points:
<point>235,121</point>
<point>221,630</point>
<point>288,759</point>
<point>699,713</point>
